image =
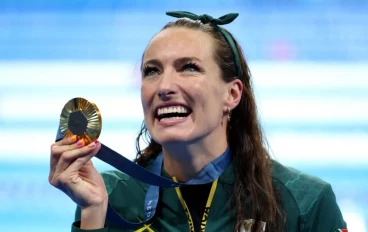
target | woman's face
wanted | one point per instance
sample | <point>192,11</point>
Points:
<point>183,95</point>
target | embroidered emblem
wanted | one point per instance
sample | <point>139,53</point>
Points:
<point>341,230</point>
<point>249,223</point>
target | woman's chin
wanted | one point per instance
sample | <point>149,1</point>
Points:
<point>172,138</point>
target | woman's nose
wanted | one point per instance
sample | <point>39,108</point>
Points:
<point>167,88</point>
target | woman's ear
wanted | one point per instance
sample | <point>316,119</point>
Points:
<point>235,90</point>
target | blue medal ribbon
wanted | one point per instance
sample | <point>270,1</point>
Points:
<point>153,178</point>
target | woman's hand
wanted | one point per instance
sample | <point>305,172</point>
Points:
<point>72,171</point>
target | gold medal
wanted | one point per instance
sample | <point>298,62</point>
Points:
<point>81,118</point>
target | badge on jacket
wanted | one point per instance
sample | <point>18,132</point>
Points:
<point>247,226</point>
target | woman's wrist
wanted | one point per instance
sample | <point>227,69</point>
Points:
<point>93,217</point>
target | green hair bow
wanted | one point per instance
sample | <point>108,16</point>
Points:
<point>207,19</point>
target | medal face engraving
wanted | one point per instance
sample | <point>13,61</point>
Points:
<point>82,118</point>
<point>77,122</point>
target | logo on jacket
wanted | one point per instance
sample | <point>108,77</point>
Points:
<point>247,226</point>
<point>341,230</point>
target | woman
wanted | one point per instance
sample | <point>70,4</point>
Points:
<point>198,106</point>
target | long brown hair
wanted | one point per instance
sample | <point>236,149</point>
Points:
<point>244,135</point>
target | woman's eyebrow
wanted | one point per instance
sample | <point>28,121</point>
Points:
<point>183,60</point>
<point>177,62</point>
<point>154,62</point>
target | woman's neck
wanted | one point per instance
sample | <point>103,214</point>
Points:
<point>186,161</point>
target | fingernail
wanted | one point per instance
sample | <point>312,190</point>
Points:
<point>73,138</point>
<point>80,143</point>
<point>91,145</point>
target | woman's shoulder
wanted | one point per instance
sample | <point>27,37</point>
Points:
<point>304,188</point>
<point>293,178</point>
<point>308,197</point>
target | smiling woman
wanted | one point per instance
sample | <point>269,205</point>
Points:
<point>199,111</point>
<point>185,74</point>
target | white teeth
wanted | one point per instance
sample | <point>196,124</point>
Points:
<point>171,119</point>
<point>172,109</point>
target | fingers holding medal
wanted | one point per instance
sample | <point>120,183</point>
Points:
<point>71,169</point>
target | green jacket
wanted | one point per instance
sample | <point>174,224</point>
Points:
<point>309,202</point>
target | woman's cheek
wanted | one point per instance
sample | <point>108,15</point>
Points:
<point>147,95</point>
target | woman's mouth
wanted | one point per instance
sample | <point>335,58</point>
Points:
<point>172,113</point>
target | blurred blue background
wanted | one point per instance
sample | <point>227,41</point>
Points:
<point>308,58</point>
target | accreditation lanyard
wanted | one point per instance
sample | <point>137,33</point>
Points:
<point>206,209</point>
<point>208,174</point>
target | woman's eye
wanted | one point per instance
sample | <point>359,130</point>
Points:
<point>190,68</point>
<point>149,71</point>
